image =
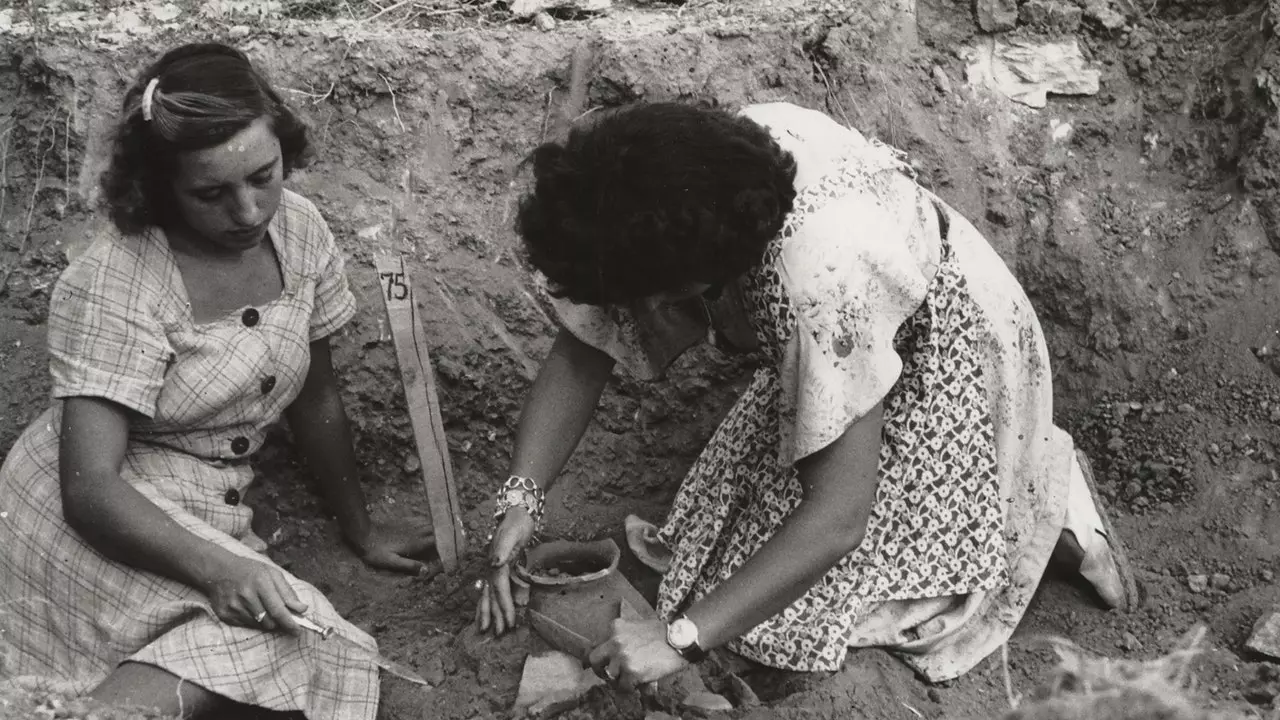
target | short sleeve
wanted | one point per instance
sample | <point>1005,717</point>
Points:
<point>335,304</point>
<point>855,270</point>
<point>643,339</point>
<point>104,338</point>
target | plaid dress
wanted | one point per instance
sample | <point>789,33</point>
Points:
<point>875,292</point>
<point>120,328</point>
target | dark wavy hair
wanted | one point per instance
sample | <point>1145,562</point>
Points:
<point>206,93</point>
<point>651,197</point>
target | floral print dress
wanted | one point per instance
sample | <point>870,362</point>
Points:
<point>875,292</point>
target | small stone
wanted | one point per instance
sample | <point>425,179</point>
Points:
<point>434,672</point>
<point>238,31</point>
<point>705,702</point>
<point>1214,449</point>
<point>1268,576</point>
<point>996,15</point>
<point>1128,642</point>
<point>935,696</point>
<point>544,21</point>
<point>941,81</point>
<point>1198,583</point>
<point>1100,11</point>
<point>1186,408</point>
<point>412,464</point>
<point>1265,638</point>
<point>1219,581</point>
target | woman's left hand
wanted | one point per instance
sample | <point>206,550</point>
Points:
<point>394,545</point>
<point>637,654</point>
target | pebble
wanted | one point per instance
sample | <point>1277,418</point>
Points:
<point>434,671</point>
<point>1268,576</point>
<point>1128,642</point>
<point>699,703</point>
<point>1198,583</point>
<point>1186,408</point>
<point>1265,638</point>
<point>1219,581</point>
<point>941,81</point>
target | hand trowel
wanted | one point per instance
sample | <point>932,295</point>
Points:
<point>391,666</point>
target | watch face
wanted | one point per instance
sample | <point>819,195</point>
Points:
<point>682,633</point>
<point>515,497</point>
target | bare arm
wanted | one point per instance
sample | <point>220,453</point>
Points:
<point>839,488</point>
<point>555,415</point>
<point>122,524</point>
<point>559,407</point>
<point>109,513</point>
<point>323,433</point>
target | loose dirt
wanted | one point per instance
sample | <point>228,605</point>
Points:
<point>1143,220</point>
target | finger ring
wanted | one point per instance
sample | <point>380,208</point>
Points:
<point>258,618</point>
<point>481,585</point>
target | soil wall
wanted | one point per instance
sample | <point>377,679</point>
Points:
<point>1141,219</point>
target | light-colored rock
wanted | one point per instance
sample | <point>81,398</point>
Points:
<point>544,21</point>
<point>1101,12</point>
<point>1265,638</point>
<point>996,15</point>
<point>941,81</point>
<point>166,12</point>
<point>1198,583</point>
<point>1027,70</point>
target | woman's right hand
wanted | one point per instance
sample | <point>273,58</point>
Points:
<point>242,590</point>
<point>497,609</point>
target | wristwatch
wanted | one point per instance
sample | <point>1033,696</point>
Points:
<point>682,636</point>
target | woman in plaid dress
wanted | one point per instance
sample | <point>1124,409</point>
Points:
<point>891,476</point>
<point>130,569</point>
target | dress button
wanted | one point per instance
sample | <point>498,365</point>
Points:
<point>250,317</point>
<point>268,384</point>
<point>232,497</point>
<point>240,445</point>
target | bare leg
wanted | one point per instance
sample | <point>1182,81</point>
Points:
<point>137,684</point>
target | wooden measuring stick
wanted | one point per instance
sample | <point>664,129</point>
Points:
<point>414,359</point>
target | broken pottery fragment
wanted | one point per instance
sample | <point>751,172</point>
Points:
<point>1027,71</point>
<point>1265,638</point>
<point>575,593</point>
<point>552,682</point>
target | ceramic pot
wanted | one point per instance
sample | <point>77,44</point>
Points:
<point>573,593</point>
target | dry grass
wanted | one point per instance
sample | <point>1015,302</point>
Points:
<point>1089,687</point>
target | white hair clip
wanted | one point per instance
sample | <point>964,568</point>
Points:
<point>147,96</point>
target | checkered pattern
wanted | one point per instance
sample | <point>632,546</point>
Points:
<point>120,328</point>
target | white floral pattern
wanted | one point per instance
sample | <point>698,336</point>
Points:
<point>877,293</point>
<point>936,528</point>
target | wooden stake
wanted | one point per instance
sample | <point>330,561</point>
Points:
<point>413,357</point>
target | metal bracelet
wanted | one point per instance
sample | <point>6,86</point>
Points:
<point>521,492</point>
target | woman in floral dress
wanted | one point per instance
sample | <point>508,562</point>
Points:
<point>891,477</point>
<point>129,567</point>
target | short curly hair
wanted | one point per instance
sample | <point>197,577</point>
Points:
<point>205,94</point>
<point>652,197</point>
